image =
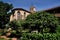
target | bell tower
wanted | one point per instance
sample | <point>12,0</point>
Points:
<point>32,9</point>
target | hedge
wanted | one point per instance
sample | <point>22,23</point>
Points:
<point>39,36</point>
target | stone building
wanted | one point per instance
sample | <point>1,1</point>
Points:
<point>20,13</point>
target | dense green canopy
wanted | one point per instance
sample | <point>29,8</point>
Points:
<point>42,21</point>
<point>4,15</point>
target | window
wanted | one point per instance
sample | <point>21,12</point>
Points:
<point>18,15</point>
<point>24,14</point>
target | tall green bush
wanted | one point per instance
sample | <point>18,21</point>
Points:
<point>41,21</point>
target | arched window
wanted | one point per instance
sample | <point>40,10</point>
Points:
<point>18,15</point>
<point>24,14</point>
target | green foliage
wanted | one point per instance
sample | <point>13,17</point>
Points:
<point>58,29</point>
<point>16,27</point>
<point>4,15</point>
<point>42,21</point>
<point>2,38</point>
<point>13,24</point>
<point>45,23</point>
<point>39,36</point>
<point>3,31</point>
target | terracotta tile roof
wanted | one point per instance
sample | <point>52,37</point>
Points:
<point>21,9</point>
<point>55,8</point>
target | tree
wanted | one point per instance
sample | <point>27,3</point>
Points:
<point>16,27</point>
<point>4,15</point>
<point>13,24</point>
<point>42,21</point>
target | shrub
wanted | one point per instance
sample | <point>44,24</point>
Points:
<point>41,21</point>
<point>39,36</point>
<point>2,39</point>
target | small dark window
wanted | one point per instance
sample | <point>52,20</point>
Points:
<point>24,14</point>
<point>18,15</point>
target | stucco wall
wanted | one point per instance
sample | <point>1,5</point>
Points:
<point>23,16</point>
<point>11,17</point>
<point>15,15</point>
<point>27,14</point>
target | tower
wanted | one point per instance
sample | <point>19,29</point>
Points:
<point>32,9</point>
